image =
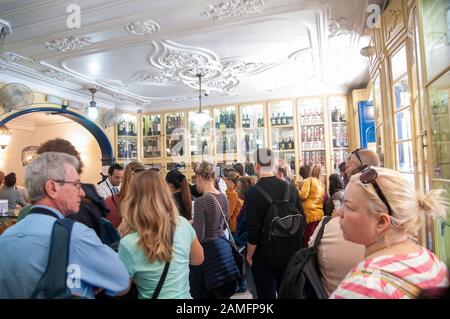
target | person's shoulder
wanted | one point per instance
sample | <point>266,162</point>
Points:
<point>130,241</point>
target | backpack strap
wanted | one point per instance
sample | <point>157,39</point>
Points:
<point>225,219</point>
<point>405,286</point>
<point>53,282</point>
<point>287,193</point>
<point>325,220</point>
<point>161,281</point>
<point>264,193</point>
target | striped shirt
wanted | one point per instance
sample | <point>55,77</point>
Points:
<point>208,221</point>
<point>421,268</point>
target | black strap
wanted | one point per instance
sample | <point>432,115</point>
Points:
<point>325,220</point>
<point>164,274</point>
<point>43,211</point>
<point>161,281</point>
<point>264,193</point>
<point>270,199</point>
<point>53,282</point>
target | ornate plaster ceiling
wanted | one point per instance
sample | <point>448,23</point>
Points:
<point>146,54</point>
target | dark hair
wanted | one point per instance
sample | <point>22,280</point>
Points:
<point>335,184</point>
<point>246,183</point>
<point>61,146</point>
<point>179,181</point>
<point>239,168</point>
<point>342,167</point>
<point>10,180</point>
<point>113,167</point>
<point>304,171</point>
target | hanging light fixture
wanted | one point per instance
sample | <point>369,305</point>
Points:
<point>93,110</point>
<point>200,119</point>
<point>5,136</point>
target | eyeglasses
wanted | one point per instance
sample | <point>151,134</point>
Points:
<point>138,170</point>
<point>76,184</point>
<point>355,152</point>
<point>369,175</point>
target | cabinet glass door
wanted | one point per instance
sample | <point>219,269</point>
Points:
<point>175,132</point>
<point>151,136</point>
<point>127,149</point>
<point>339,130</point>
<point>225,129</point>
<point>282,131</point>
<point>252,127</point>
<point>199,137</point>
<point>312,132</point>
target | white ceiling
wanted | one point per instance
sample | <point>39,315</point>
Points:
<point>144,54</point>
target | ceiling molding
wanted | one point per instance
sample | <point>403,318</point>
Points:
<point>142,27</point>
<point>233,8</point>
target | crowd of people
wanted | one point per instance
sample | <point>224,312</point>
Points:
<point>138,234</point>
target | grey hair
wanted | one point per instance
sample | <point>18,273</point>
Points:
<point>47,166</point>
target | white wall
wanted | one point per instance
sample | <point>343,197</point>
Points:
<point>27,135</point>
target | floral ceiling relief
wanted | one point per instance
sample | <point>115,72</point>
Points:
<point>68,44</point>
<point>233,8</point>
<point>174,64</point>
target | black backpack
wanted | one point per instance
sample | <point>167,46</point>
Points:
<point>283,230</point>
<point>53,283</point>
<point>301,279</point>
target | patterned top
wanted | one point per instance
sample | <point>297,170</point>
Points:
<point>422,269</point>
<point>208,220</point>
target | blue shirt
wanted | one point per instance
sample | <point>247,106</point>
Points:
<point>24,250</point>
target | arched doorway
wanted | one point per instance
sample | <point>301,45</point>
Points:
<point>102,140</point>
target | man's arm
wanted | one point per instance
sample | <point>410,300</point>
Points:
<point>255,225</point>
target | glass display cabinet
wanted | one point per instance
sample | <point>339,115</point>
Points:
<point>312,131</point>
<point>151,136</point>
<point>127,146</point>
<point>175,134</point>
<point>225,130</point>
<point>200,141</point>
<point>281,124</point>
<point>253,131</point>
<point>337,107</point>
<point>402,114</point>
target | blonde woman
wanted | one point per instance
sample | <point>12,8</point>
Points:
<point>113,202</point>
<point>153,235</point>
<point>311,194</point>
<point>383,212</point>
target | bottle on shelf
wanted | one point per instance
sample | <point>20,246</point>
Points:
<point>273,120</point>
<point>278,119</point>
<point>284,119</point>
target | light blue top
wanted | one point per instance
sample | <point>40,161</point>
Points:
<point>24,250</point>
<point>146,274</point>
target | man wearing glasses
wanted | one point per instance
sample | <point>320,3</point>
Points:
<point>55,191</point>
<point>360,159</point>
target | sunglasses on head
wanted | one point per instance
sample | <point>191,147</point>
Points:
<point>369,175</point>
<point>355,152</point>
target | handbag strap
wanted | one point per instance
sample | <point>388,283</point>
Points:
<point>161,281</point>
<point>405,286</point>
<point>225,219</point>
<point>325,220</point>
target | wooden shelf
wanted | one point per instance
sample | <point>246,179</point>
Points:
<point>282,126</point>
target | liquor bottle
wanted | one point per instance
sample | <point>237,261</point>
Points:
<point>321,133</point>
<point>278,119</point>
<point>338,136</point>
<point>284,119</point>
<point>344,134</point>
<point>333,133</point>
<point>290,144</point>
<point>308,135</point>
<point>158,126</point>
<point>304,133</point>
<point>272,120</point>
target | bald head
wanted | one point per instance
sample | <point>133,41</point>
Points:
<point>359,158</point>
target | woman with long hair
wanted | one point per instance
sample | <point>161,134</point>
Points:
<point>113,202</point>
<point>312,196</point>
<point>217,277</point>
<point>336,194</point>
<point>383,212</point>
<point>181,192</point>
<point>153,235</point>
